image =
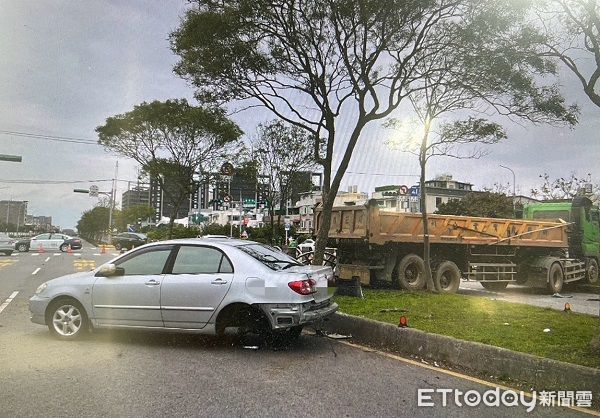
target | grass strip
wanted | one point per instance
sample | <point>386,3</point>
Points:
<point>503,324</point>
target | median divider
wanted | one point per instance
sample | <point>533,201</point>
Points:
<point>484,360</point>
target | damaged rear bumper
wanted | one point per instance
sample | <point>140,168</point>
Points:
<point>289,315</point>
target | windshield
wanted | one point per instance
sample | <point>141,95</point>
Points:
<point>269,256</point>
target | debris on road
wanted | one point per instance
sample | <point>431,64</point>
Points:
<point>335,336</point>
<point>558,295</point>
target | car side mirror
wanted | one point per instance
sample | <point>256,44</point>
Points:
<point>110,270</point>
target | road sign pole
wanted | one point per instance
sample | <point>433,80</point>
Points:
<point>231,207</point>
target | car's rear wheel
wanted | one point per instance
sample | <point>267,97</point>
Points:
<point>66,319</point>
<point>8,252</point>
<point>64,247</point>
<point>117,246</point>
<point>23,248</point>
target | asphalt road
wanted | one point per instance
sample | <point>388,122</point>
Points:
<point>139,374</point>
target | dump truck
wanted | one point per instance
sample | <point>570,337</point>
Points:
<point>375,245</point>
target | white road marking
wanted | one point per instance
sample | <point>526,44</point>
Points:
<point>46,259</point>
<point>34,255</point>
<point>97,254</point>
<point>77,254</point>
<point>57,255</point>
<point>36,271</point>
<point>9,300</point>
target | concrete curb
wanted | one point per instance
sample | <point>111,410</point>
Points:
<point>541,373</point>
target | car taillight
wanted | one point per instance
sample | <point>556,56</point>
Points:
<point>303,287</point>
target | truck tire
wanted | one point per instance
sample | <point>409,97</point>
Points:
<point>495,286</point>
<point>555,278</point>
<point>411,272</point>
<point>447,277</point>
<point>592,271</point>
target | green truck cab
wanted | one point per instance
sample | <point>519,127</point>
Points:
<point>583,230</point>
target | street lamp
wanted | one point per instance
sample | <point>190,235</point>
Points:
<point>514,185</point>
<point>513,174</point>
<point>94,192</point>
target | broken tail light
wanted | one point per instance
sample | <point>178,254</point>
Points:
<point>303,287</point>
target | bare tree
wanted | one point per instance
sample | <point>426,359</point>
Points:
<point>566,188</point>
<point>282,152</point>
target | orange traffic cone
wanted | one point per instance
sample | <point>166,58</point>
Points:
<point>41,249</point>
<point>69,250</point>
<point>103,249</point>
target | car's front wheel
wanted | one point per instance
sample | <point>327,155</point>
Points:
<point>23,248</point>
<point>117,246</point>
<point>63,248</point>
<point>66,319</point>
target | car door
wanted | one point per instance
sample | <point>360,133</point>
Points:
<point>55,241</point>
<point>40,241</point>
<point>191,293</point>
<point>133,297</point>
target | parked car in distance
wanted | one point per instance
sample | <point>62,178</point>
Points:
<point>7,244</point>
<point>129,240</point>
<point>307,245</point>
<point>46,242</point>
<point>74,243</point>
<point>193,285</point>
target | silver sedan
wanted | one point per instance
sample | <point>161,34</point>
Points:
<point>194,285</point>
<point>7,244</point>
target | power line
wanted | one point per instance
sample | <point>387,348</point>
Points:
<point>30,135</point>
<point>13,181</point>
<point>382,174</point>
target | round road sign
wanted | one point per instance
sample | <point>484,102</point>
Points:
<point>227,169</point>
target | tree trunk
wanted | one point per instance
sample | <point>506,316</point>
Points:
<point>172,218</point>
<point>323,232</point>
<point>423,203</point>
<point>272,216</point>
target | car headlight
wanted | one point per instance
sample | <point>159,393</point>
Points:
<point>41,288</point>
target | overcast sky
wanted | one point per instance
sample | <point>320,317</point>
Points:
<point>68,65</point>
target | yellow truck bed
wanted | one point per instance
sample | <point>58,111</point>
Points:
<point>379,227</point>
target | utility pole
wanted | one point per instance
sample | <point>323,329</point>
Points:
<point>113,193</point>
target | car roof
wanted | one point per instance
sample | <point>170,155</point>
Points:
<point>230,242</point>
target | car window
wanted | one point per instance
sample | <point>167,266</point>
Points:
<point>43,236</point>
<point>201,260</point>
<point>148,262</point>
